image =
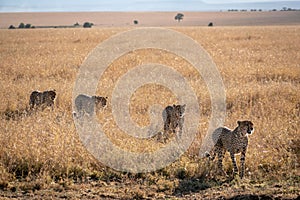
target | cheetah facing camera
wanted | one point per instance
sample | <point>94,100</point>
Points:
<point>85,104</point>
<point>235,142</point>
<point>173,117</point>
<point>42,99</point>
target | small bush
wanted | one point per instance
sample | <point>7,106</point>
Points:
<point>11,27</point>
<point>28,26</point>
<point>136,22</point>
<point>22,25</point>
<point>87,25</point>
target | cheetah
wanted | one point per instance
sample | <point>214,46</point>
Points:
<point>42,99</point>
<point>234,142</point>
<point>85,104</point>
<point>173,117</point>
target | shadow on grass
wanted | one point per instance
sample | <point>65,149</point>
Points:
<point>196,185</point>
<point>191,185</point>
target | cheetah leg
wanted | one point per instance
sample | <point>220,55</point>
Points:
<point>181,121</point>
<point>173,126</point>
<point>235,169</point>
<point>212,155</point>
<point>51,104</point>
<point>221,154</point>
<point>31,104</point>
<point>243,158</point>
<point>167,125</point>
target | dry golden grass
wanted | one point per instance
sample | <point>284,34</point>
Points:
<point>261,72</point>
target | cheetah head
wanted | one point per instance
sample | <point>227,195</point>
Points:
<point>52,94</point>
<point>245,127</point>
<point>100,100</point>
<point>179,110</point>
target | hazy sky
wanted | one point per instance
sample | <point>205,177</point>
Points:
<point>240,1</point>
<point>121,5</point>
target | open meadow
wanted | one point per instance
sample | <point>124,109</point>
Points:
<point>41,156</point>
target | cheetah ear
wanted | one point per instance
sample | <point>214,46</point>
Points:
<point>239,123</point>
<point>183,105</point>
<point>174,105</point>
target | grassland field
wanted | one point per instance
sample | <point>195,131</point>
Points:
<point>42,157</point>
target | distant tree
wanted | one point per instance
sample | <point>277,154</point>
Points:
<point>284,8</point>
<point>87,25</point>
<point>27,26</point>
<point>11,27</point>
<point>76,24</point>
<point>21,25</point>
<point>211,24</point>
<point>179,17</point>
<point>136,22</point>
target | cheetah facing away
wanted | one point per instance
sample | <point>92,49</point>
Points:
<point>42,99</point>
<point>85,104</point>
<point>234,142</point>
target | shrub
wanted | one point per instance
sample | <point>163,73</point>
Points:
<point>136,22</point>
<point>87,25</point>
<point>11,27</point>
<point>22,25</point>
<point>28,26</point>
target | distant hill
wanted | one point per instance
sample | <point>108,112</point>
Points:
<point>261,5</point>
<point>149,19</point>
<point>137,5</point>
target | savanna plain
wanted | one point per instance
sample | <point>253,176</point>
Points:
<point>42,157</point>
